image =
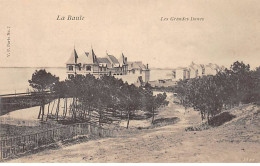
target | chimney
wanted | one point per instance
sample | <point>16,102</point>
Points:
<point>147,66</point>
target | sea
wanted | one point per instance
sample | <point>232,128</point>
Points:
<point>15,79</point>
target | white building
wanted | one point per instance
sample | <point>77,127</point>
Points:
<point>181,73</point>
<point>213,69</point>
<point>195,71</point>
<point>89,63</point>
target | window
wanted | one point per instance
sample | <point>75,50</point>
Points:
<point>174,74</point>
<point>105,69</point>
<point>70,76</point>
<point>70,68</point>
<point>141,71</point>
<point>88,68</point>
<point>133,71</point>
<point>101,69</point>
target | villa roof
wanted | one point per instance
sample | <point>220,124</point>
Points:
<point>212,66</point>
<point>202,66</point>
<point>136,65</point>
<point>92,54</point>
<point>195,66</point>
<point>103,60</point>
<point>85,58</point>
<point>73,58</point>
<point>91,58</point>
<point>113,59</point>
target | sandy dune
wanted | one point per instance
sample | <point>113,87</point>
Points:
<point>235,141</point>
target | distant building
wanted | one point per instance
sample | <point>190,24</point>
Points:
<point>181,73</point>
<point>139,69</point>
<point>195,71</point>
<point>212,69</point>
<point>89,63</point>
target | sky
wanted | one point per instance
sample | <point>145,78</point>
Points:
<point>230,31</point>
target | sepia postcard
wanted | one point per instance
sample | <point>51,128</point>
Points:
<point>119,81</point>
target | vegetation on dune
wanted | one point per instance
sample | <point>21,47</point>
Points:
<point>101,100</point>
<point>212,94</point>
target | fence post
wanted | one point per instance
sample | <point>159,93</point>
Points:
<point>13,145</point>
<point>45,137</point>
<point>1,143</point>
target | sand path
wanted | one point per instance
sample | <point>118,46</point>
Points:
<point>165,144</point>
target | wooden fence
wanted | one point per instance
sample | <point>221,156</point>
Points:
<point>12,146</point>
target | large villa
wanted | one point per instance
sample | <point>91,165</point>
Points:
<point>89,63</point>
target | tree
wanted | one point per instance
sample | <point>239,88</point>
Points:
<point>42,81</point>
<point>181,90</point>
<point>255,97</point>
<point>242,81</point>
<point>210,93</point>
<point>132,100</point>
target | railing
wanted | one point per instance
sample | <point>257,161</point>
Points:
<point>12,146</point>
<point>25,94</point>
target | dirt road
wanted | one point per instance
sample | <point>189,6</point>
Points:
<point>235,141</point>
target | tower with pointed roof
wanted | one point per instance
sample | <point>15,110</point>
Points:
<point>71,64</point>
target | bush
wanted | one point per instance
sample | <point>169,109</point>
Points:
<point>221,119</point>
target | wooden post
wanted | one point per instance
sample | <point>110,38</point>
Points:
<point>39,115</point>
<point>48,110</point>
<point>100,116</point>
<point>72,107</point>
<point>65,107</point>
<point>153,115</point>
<point>37,139</point>
<point>57,109</point>
<point>75,109</point>
<point>128,118</point>
<point>53,106</point>
<point>1,148</point>
<point>43,106</point>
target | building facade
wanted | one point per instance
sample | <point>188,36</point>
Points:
<point>139,69</point>
<point>89,63</point>
<point>195,71</point>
